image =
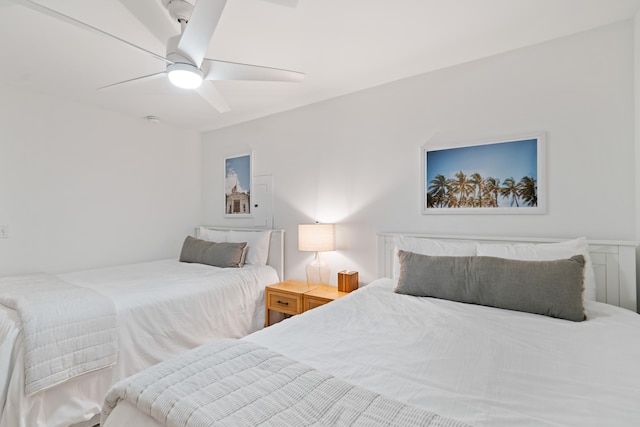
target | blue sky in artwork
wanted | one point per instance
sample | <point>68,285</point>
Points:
<point>238,171</point>
<point>513,159</point>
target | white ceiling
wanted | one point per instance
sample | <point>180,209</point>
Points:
<point>342,45</point>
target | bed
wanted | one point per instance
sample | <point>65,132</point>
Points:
<point>130,317</point>
<point>461,362</point>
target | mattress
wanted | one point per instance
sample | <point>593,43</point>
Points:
<point>163,308</point>
<point>480,365</point>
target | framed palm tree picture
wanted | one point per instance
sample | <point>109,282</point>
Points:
<point>497,176</point>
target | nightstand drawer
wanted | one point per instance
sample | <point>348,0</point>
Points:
<point>284,298</point>
<point>312,302</point>
<point>320,295</point>
<point>284,303</point>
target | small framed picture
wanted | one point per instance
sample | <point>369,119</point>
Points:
<point>237,185</point>
<point>497,176</point>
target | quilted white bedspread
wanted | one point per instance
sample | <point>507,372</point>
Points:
<point>236,383</point>
<point>67,330</point>
<point>163,308</point>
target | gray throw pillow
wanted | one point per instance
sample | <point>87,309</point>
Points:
<point>551,288</point>
<point>224,254</point>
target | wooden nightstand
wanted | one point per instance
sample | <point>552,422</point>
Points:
<point>294,297</point>
<point>285,297</point>
<point>320,296</point>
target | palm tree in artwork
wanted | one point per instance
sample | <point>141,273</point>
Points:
<point>451,201</point>
<point>492,191</point>
<point>510,189</point>
<point>430,201</point>
<point>478,182</point>
<point>462,185</point>
<point>438,188</point>
<point>528,189</point>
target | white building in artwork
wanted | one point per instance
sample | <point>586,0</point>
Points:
<point>237,202</point>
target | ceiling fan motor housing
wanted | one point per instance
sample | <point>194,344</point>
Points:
<point>179,10</point>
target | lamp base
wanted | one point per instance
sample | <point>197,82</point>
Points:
<point>318,272</point>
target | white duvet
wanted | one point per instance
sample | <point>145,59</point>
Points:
<point>480,365</point>
<point>163,308</point>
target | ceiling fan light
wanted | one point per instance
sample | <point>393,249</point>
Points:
<point>186,76</point>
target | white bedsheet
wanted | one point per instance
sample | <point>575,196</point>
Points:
<point>480,365</point>
<point>163,309</point>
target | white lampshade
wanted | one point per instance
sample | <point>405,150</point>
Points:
<point>316,237</point>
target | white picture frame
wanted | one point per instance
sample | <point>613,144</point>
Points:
<point>505,175</point>
<point>238,185</point>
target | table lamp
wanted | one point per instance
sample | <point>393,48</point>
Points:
<point>316,238</point>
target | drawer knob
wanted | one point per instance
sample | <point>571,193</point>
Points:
<point>282,302</point>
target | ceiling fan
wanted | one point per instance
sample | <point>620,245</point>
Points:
<point>186,65</point>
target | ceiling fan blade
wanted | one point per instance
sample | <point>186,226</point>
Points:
<point>62,17</point>
<point>209,92</point>
<point>153,16</point>
<point>197,35</point>
<point>223,70</point>
<point>286,3</point>
<point>136,80</point>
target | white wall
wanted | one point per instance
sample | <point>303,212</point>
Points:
<point>637,138</point>
<point>355,160</point>
<point>82,187</point>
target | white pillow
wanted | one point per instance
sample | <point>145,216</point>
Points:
<point>257,244</point>
<point>431,247</point>
<point>217,236</point>
<point>546,252</point>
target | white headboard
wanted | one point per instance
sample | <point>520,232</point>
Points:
<point>276,246</point>
<point>614,263</point>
